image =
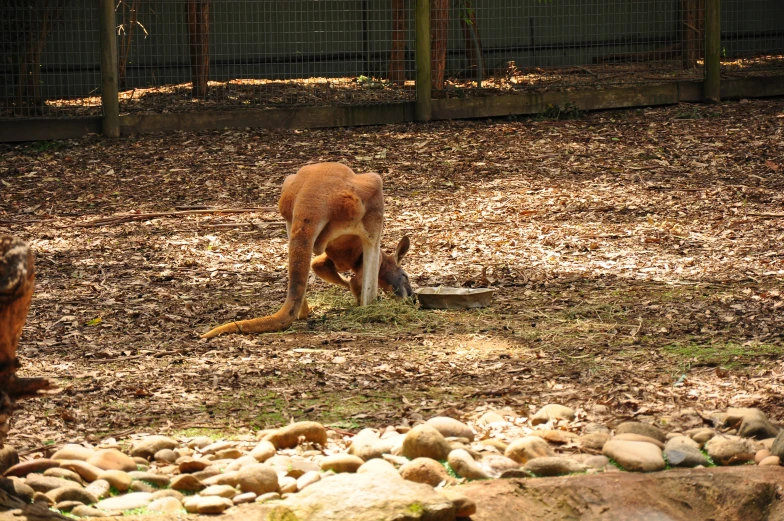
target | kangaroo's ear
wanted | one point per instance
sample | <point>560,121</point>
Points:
<point>402,248</point>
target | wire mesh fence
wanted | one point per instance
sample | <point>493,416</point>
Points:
<point>189,55</point>
<point>264,53</point>
<point>50,59</point>
<point>752,37</point>
<point>511,45</point>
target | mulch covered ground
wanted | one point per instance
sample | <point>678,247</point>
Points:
<point>637,255</point>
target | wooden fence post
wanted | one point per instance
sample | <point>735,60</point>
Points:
<point>109,79</point>
<point>712,84</point>
<point>423,110</point>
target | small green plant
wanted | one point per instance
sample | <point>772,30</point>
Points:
<point>556,112</point>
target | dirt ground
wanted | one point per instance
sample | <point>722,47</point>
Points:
<point>638,258</point>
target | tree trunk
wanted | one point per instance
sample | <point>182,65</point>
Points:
<point>693,33</point>
<point>198,40</point>
<point>473,44</point>
<point>17,275</point>
<point>397,73</point>
<point>126,40</point>
<point>439,25</point>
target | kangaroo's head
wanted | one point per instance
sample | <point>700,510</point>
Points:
<point>391,277</point>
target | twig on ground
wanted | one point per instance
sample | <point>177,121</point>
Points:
<point>179,213</point>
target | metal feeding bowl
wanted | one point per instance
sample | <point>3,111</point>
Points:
<point>444,297</point>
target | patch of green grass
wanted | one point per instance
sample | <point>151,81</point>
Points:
<point>568,111</point>
<point>214,434</point>
<point>416,508</point>
<point>724,354</point>
<point>45,146</point>
<point>347,408</point>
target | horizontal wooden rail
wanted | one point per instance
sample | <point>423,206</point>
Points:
<point>525,103</point>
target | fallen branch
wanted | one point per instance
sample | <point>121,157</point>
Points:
<point>119,219</point>
<point>768,215</point>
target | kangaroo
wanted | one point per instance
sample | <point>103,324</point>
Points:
<point>337,215</point>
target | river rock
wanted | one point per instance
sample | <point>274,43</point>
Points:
<point>777,448</point>
<point>85,470</point>
<point>287,485</point>
<point>530,447</point>
<point>263,451</point>
<point>219,490</point>
<point>70,475</point>
<point>288,437</point>
<point>364,497</point>
<point>593,440</point>
<point>425,470</point>
<point>591,428</point>
<point>85,511</point>
<point>770,461</point>
<point>156,480</point>
<point>308,479</point>
<point>41,483</point>
<point>728,451</point>
<point>212,504</point>
<point>165,456</point>
<point>126,502</point>
<point>71,493</point>
<point>73,451</point>
<point>630,436</point>
<point>341,463</point>
<point>496,464</point>
<point>553,466</point>
<point>149,445</point>
<point>258,478</point>
<point>449,427</point>
<point>701,435</point>
<point>635,456</point>
<point>188,465</point>
<point>680,441</point>
<point>551,412</point>
<point>641,428</point>
<point>227,478</point>
<point>165,504</point>
<point>116,478</point>
<point>100,488</point>
<point>30,466</point>
<point>425,441</point>
<point>685,456</point>
<point>491,418</point>
<point>465,466</point>
<point>111,459</point>
<point>750,422</point>
<point>380,466</point>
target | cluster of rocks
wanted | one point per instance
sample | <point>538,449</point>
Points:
<point>304,464</point>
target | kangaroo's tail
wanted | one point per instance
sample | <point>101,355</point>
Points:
<point>300,251</point>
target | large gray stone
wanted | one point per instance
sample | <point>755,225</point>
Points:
<point>777,449</point>
<point>149,445</point>
<point>685,456</point>
<point>366,497</point>
<point>728,494</point>
<point>750,422</point>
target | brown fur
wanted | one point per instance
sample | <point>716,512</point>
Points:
<point>338,215</point>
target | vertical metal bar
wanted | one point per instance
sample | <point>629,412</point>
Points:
<point>423,110</point>
<point>712,83</point>
<point>109,79</point>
